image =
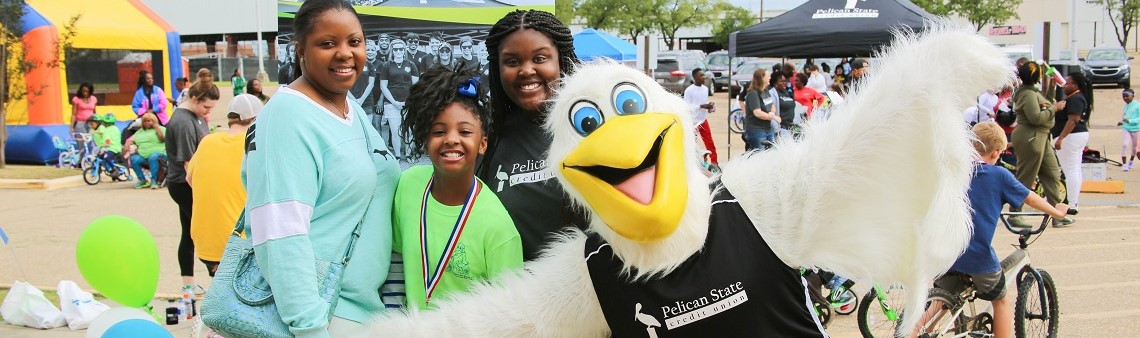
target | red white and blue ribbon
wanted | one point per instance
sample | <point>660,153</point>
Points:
<point>432,281</point>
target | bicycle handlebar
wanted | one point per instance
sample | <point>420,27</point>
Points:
<point>1025,232</point>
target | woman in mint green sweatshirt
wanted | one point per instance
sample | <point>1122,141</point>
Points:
<point>315,169</point>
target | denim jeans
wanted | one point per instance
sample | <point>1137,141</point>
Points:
<point>754,138</point>
<point>137,161</point>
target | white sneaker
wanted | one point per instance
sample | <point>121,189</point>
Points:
<point>1128,166</point>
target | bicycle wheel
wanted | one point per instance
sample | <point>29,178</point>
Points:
<point>846,309</point>
<point>120,174</point>
<point>91,176</point>
<point>943,320</point>
<point>736,121</point>
<point>1033,316</point>
<point>873,317</point>
<point>823,313</point>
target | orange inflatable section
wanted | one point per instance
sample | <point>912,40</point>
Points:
<point>43,83</point>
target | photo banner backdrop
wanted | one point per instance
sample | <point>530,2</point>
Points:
<point>426,33</point>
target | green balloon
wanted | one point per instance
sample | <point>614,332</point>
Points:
<point>118,257</point>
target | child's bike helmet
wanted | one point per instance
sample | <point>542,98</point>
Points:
<point>109,118</point>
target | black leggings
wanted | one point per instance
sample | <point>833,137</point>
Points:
<point>182,194</point>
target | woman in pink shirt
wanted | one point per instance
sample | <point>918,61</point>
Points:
<point>82,107</point>
<point>806,96</point>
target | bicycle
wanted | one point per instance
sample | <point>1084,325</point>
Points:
<point>69,156</point>
<point>839,299</point>
<point>1036,312</point>
<point>885,302</point>
<point>105,165</point>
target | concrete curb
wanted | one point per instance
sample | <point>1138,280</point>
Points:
<point>59,183</point>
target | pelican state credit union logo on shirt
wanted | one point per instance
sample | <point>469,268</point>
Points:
<point>529,171</point>
<point>689,311</point>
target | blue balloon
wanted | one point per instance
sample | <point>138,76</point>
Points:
<point>137,328</point>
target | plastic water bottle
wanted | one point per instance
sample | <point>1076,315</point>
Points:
<point>184,303</point>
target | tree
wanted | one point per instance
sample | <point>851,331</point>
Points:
<point>564,10</point>
<point>732,19</point>
<point>1123,14</point>
<point>17,66</point>
<point>10,32</point>
<point>672,15</point>
<point>630,18</point>
<point>979,12</point>
<point>936,7</point>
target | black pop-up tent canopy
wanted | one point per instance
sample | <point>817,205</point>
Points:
<point>828,28</point>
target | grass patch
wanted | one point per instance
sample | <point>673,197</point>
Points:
<point>36,172</point>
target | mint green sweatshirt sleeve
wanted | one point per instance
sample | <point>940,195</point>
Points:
<point>1132,114</point>
<point>282,183</point>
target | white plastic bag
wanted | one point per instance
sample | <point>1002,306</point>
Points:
<point>79,307</point>
<point>26,305</point>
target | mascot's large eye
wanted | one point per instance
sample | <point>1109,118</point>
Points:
<point>585,117</point>
<point>628,99</point>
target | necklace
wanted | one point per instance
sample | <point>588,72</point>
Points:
<point>343,113</point>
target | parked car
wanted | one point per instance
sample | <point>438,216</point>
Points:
<point>743,75</point>
<point>718,63</point>
<point>676,73</point>
<point>1108,65</point>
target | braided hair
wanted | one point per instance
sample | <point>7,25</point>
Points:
<point>306,18</point>
<point>440,87</point>
<point>501,104</point>
<point>543,22</point>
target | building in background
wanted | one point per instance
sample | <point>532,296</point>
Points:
<point>221,35</point>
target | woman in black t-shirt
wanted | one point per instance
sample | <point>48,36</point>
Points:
<point>1071,133</point>
<point>758,115</point>
<point>528,52</point>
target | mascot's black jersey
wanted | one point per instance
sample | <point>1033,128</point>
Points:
<point>734,287</point>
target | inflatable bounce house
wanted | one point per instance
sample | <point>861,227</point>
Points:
<point>114,40</point>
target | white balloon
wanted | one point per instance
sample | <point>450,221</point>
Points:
<point>109,318</point>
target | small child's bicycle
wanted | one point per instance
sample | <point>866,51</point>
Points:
<point>69,156</point>
<point>105,164</point>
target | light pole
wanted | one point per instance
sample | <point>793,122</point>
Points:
<point>1073,31</point>
<point>262,76</point>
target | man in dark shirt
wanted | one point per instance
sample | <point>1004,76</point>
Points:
<point>467,54</point>
<point>414,52</point>
<point>858,70</point>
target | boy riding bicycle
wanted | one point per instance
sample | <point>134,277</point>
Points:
<point>990,189</point>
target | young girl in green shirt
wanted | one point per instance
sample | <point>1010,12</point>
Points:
<point>451,230</point>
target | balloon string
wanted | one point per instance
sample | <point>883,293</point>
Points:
<point>18,264</point>
<point>150,310</point>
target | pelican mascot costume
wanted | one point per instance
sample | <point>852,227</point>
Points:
<point>877,192</point>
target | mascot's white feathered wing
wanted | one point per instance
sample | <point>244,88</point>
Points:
<point>877,192</point>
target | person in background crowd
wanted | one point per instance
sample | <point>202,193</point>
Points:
<point>784,101</point>
<point>697,96</point>
<point>835,94</point>
<point>150,141</point>
<point>254,88</point>
<point>414,52</point>
<point>760,121</point>
<point>150,98</point>
<point>313,172</point>
<point>467,54</point>
<point>396,80</point>
<point>215,175</point>
<point>384,44</point>
<point>859,69</point>
<point>446,58</point>
<point>431,58</point>
<point>1036,159</point>
<point>484,63</point>
<point>825,70</point>
<point>1071,134</point>
<point>186,129</point>
<point>179,89</point>
<point>839,77</point>
<point>82,107</point>
<point>529,52</point>
<point>203,75</point>
<point>816,80</point>
<point>238,82</point>
<point>807,96</point>
<point>1130,124</point>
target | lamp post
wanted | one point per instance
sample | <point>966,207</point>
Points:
<point>262,76</point>
<point>1073,31</point>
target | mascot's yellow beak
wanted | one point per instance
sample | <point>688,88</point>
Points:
<point>631,171</point>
